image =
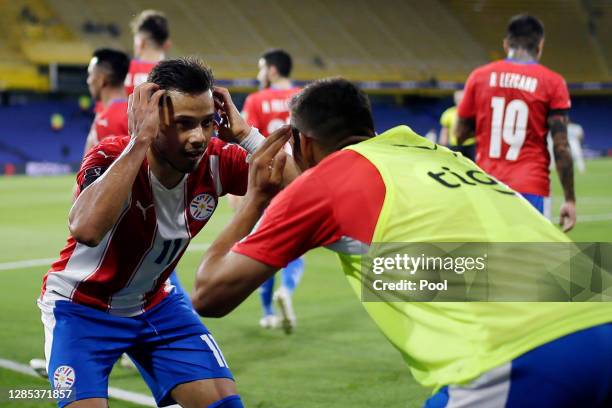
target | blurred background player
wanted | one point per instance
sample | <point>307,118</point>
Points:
<point>448,132</point>
<point>151,42</point>
<point>268,110</point>
<point>105,77</point>
<point>512,104</point>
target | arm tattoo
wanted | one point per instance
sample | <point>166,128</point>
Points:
<point>563,155</point>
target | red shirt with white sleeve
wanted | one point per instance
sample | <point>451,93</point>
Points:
<point>335,204</point>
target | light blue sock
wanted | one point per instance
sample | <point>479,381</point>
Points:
<point>265,294</point>
<point>292,274</point>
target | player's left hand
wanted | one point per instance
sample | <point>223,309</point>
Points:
<point>567,218</point>
<point>232,127</point>
<point>266,168</point>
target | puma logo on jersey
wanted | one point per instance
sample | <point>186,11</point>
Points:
<point>103,154</point>
<point>143,209</point>
<point>103,122</point>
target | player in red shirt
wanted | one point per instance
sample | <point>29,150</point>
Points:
<point>511,105</point>
<point>268,110</point>
<point>105,76</point>
<point>151,42</point>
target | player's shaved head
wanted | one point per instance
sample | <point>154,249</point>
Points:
<point>115,63</point>
<point>525,31</point>
<point>332,111</point>
<point>187,75</point>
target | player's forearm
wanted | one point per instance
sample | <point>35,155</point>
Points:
<point>99,206</point>
<point>563,155</point>
<point>220,284</point>
<point>565,165</point>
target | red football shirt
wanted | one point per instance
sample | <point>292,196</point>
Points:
<point>510,102</point>
<point>268,109</point>
<point>137,74</point>
<point>335,204</point>
<point>126,274</point>
<point>112,121</point>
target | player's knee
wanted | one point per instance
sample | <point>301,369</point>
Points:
<point>233,401</point>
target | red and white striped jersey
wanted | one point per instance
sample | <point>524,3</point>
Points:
<point>127,273</point>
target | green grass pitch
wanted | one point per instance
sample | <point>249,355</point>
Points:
<point>336,358</point>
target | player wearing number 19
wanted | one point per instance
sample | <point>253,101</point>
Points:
<point>512,104</point>
<point>140,201</point>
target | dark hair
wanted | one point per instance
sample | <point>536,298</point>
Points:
<point>154,23</point>
<point>188,75</point>
<point>525,31</point>
<point>115,62</point>
<point>280,59</point>
<point>331,111</point>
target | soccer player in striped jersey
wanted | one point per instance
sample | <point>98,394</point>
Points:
<point>141,199</point>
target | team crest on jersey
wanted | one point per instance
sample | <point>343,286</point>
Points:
<point>202,206</point>
<point>63,377</point>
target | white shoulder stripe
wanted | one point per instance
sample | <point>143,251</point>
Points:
<point>216,176</point>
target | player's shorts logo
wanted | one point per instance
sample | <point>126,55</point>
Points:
<point>63,377</point>
<point>202,207</point>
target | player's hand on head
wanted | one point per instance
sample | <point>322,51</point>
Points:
<point>567,216</point>
<point>144,112</point>
<point>232,127</point>
<point>266,168</point>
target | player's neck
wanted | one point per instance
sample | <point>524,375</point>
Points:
<point>521,55</point>
<point>109,94</point>
<point>282,83</point>
<point>167,175</point>
<point>151,55</point>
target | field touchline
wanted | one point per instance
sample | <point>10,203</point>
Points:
<point>28,263</point>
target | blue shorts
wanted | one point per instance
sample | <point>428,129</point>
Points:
<point>535,200</point>
<point>169,345</point>
<point>572,371</point>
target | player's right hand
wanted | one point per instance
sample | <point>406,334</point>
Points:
<point>266,168</point>
<point>567,216</point>
<point>144,112</point>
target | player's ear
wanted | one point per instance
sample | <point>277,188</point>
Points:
<point>506,45</point>
<point>167,45</point>
<point>540,48</point>
<point>307,152</point>
<point>272,72</point>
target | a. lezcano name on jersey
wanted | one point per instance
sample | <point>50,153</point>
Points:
<point>513,80</point>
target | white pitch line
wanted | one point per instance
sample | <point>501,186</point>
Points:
<point>594,217</point>
<point>113,392</point>
<point>25,264</point>
<point>7,266</point>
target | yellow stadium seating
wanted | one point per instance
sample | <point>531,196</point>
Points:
<point>366,40</point>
